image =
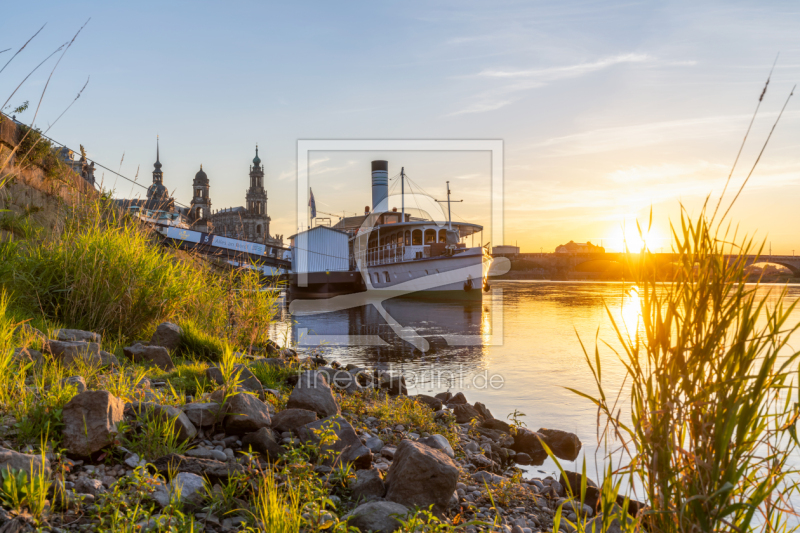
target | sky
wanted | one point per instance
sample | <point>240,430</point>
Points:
<point>606,110</point>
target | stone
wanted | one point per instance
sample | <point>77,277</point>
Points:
<point>527,441</point>
<point>108,359</point>
<point>377,517</point>
<point>85,485</point>
<point>457,399</point>
<point>313,393</point>
<point>580,509</point>
<point>430,401</point>
<point>439,442</point>
<point>374,444</point>
<point>26,330</point>
<point>523,458</point>
<point>245,414</point>
<point>247,380</point>
<point>445,396</point>
<point>69,352</point>
<point>368,485</point>
<point>486,477</point>
<point>563,444</point>
<point>291,419</point>
<point>182,425</point>
<point>167,335</point>
<point>483,411</point>
<point>204,414</point>
<point>153,355</point>
<point>32,464</point>
<point>90,421</point>
<point>263,441</point>
<point>188,488</point>
<point>77,381</point>
<point>77,335</point>
<point>465,413</point>
<point>421,475</point>
<point>497,425</point>
<point>215,471</point>
<point>347,448</point>
<point>28,355</point>
<point>395,385</point>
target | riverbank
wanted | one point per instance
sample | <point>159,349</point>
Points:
<point>206,444</point>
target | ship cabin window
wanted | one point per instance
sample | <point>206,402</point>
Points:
<point>408,238</point>
<point>442,235</point>
<point>377,277</point>
<point>391,219</point>
<point>386,276</point>
<point>430,236</point>
<point>416,237</point>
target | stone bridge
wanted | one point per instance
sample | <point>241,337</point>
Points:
<point>569,262</point>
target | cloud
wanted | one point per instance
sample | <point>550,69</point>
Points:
<point>482,107</point>
<point>516,81</point>
<point>579,69</point>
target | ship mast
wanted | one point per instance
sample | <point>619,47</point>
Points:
<point>402,194</point>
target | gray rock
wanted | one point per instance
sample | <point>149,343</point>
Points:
<point>421,475</point>
<point>90,421</point>
<point>154,355</point>
<point>247,380</point>
<point>182,425</point>
<point>439,442</point>
<point>202,453</point>
<point>368,485</point>
<point>26,330</point>
<point>77,381</point>
<point>486,477</point>
<point>457,399</point>
<point>70,352</point>
<point>347,447</point>
<point>28,355</point>
<point>188,488</point>
<point>465,413</point>
<point>246,414</point>
<point>430,401</point>
<point>167,335</point>
<point>527,441</point>
<point>395,385</point>
<point>377,517</point>
<point>77,335</point>
<point>263,441</point>
<point>85,485</point>
<point>32,464</point>
<point>313,393</point>
<point>563,444</point>
<point>204,414</point>
<point>215,471</point>
<point>108,359</point>
<point>291,419</point>
<point>374,444</point>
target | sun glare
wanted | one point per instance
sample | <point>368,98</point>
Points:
<point>628,236</point>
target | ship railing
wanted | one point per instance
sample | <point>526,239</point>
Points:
<point>391,253</point>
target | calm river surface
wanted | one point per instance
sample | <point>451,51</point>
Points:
<point>523,338</point>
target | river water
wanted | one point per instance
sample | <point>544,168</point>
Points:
<point>517,349</point>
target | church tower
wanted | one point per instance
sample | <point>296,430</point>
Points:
<point>200,207</point>
<point>257,202</point>
<point>157,194</point>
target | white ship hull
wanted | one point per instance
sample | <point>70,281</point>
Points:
<point>458,275</point>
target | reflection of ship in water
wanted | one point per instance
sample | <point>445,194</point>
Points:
<point>454,334</point>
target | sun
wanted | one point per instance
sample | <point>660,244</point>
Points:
<point>628,236</point>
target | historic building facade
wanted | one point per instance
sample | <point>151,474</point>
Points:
<point>249,222</point>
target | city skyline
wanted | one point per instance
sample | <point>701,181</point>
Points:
<point>605,110</point>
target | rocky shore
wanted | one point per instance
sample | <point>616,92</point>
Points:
<point>376,458</point>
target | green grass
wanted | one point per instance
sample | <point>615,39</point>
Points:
<point>712,386</point>
<point>197,343</point>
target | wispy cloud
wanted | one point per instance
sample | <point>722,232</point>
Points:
<point>520,80</point>
<point>579,69</point>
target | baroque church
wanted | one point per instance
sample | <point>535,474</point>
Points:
<point>248,223</point>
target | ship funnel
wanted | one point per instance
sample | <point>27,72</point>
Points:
<point>380,182</point>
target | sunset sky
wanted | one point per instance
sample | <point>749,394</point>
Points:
<point>605,109</point>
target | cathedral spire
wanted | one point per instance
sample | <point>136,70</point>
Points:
<point>158,162</point>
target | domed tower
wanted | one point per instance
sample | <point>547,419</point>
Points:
<point>200,207</point>
<point>157,194</point>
